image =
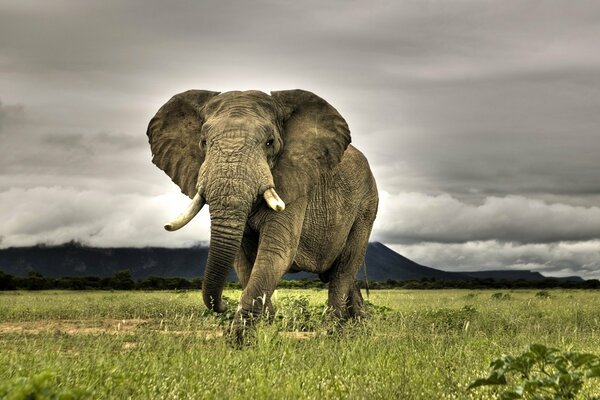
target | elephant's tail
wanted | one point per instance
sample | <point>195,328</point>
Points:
<point>366,277</point>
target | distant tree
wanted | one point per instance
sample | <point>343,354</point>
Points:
<point>152,283</point>
<point>121,281</point>
<point>35,281</point>
<point>79,282</point>
<point>7,282</point>
<point>177,283</point>
<point>197,283</point>
<point>592,284</point>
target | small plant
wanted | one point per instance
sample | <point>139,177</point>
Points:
<point>44,385</point>
<point>543,294</point>
<point>224,319</point>
<point>377,309</point>
<point>541,373</point>
<point>295,313</point>
<point>446,319</point>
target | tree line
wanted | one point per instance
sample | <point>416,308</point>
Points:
<point>122,280</point>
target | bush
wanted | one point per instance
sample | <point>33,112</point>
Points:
<point>44,385</point>
<point>7,282</point>
<point>543,294</point>
<point>446,319</point>
<point>541,373</point>
<point>501,296</point>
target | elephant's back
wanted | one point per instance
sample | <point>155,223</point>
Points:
<point>354,173</point>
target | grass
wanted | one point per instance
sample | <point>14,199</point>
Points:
<point>416,345</point>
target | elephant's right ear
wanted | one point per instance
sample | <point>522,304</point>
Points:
<point>174,135</point>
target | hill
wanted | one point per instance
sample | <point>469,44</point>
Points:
<point>513,275</point>
<point>74,259</point>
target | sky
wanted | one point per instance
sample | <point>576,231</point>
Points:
<point>480,119</point>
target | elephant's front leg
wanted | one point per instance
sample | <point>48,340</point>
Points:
<point>278,243</point>
<point>245,257</point>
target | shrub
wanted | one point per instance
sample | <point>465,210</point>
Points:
<point>541,373</point>
<point>501,296</point>
<point>44,385</point>
<point>543,294</point>
<point>446,319</point>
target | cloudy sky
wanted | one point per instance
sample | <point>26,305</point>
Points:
<point>480,118</point>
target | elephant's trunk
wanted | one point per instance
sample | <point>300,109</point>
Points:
<point>225,242</point>
<point>230,200</point>
<point>230,187</point>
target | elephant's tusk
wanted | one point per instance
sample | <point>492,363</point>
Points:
<point>193,209</point>
<point>273,200</point>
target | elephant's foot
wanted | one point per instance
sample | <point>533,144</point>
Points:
<point>355,303</point>
<point>349,306</point>
<point>242,331</point>
<point>241,334</point>
<point>351,326</point>
<point>346,312</point>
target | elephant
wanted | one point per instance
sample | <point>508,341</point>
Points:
<point>286,192</point>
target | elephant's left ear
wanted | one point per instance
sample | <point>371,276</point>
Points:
<point>315,137</point>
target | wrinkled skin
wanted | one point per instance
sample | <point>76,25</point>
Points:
<point>229,149</point>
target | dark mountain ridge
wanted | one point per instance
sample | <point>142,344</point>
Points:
<point>74,259</point>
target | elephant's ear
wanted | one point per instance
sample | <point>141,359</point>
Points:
<point>315,137</point>
<point>174,136</point>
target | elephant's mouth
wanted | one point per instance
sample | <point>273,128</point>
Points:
<point>270,195</point>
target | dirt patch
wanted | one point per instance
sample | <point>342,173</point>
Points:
<point>204,334</point>
<point>73,327</point>
<point>129,346</point>
<point>299,335</point>
<point>116,327</point>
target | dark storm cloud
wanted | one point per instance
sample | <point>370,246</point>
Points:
<point>9,114</point>
<point>415,218</point>
<point>521,136</point>
<point>480,118</point>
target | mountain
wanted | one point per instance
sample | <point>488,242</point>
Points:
<point>384,263</point>
<point>74,259</point>
<point>513,275</point>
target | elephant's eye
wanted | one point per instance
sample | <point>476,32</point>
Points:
<point>269,142</point>
<point>203,142</point>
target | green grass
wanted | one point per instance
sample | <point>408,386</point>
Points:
<point>416,345</point>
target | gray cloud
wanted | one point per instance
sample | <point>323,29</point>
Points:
<point>555,259</point>
<point>415,218</point>
<point>479,118</point>
<point>101,218</point>
<point>9,114</point>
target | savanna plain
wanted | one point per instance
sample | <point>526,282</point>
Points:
<point>165,345</point>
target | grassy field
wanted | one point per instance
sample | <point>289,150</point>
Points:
<point>416,345</point>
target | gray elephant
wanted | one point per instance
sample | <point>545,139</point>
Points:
<point>286,191</point>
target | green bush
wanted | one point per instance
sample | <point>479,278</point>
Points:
<point>541,373</point>
<point>543,294</point>
<point>446,319</point>
<point>42,386</point>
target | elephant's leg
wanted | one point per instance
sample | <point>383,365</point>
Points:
<point>245,257</point>
<point>345,299</point>
<point>355,304</point>
<point>279,238</point>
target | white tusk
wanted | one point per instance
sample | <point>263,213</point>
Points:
<point>273,200</point>
<point>193,209</point>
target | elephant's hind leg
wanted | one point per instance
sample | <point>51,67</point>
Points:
<point>345,298</point>
<point>355,303</point>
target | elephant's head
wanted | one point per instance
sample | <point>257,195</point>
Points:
<point>236,149</point>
